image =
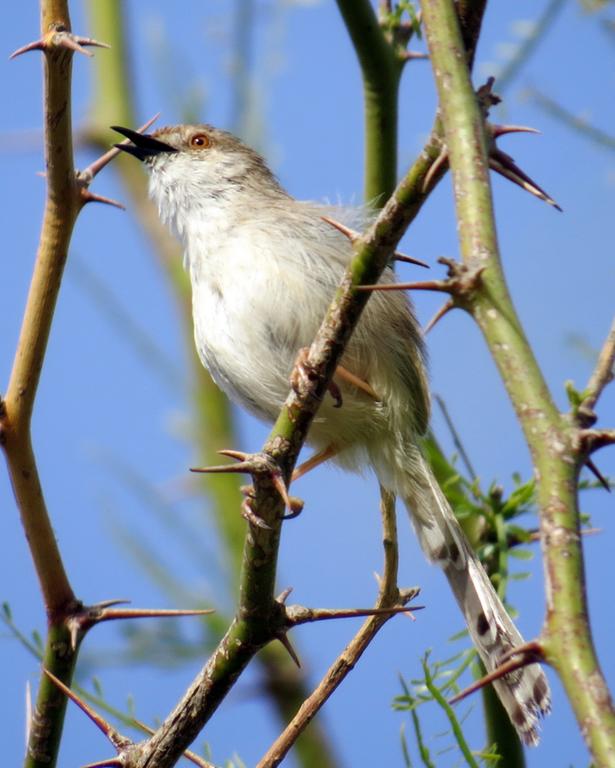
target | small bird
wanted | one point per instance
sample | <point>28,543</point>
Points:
<point>264,267</point>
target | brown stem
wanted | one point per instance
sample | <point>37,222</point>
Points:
<point>390,597</point>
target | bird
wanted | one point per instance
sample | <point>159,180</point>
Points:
<point>264,268</point>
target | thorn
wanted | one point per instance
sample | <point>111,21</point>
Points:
<point>410,260</point>
<point>502,130</point>
<point>29,710</point>
<point>243,467</point>
<point>90,41</point>
<point>111,762</point>
<point>423,285</point>
<point>436,166</point>
<point>114,736</point>
<point>292,503</point>
<point>598,474</point>
<point>37,45</point>
<point>528,653</point>
<point>413,56</point>
<point>504,165</point>
<point>64,39</point>
<point>240,455</point>
<point>353,236</point>
<point>92,197</point>
<point>153,613</point>
<point>70,42</point>
<point>357,382</point>
<point>280,486</point>
<point>532,648</point>
<point>283,596</point>
<point>283,638</point>
<point>444,309</point>
<point>258,464</point>
<point>112,602</point>
<point>74,628</point>
<point>300,615</point>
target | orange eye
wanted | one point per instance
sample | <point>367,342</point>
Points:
<point>200,141</point>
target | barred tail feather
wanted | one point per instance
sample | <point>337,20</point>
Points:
<point>524,693</point>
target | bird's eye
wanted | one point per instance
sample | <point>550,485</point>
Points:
<point>200,141</point>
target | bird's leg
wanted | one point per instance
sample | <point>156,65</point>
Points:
<point>350,378</point>
<point>314,461</point>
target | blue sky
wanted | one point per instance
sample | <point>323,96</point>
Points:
<point>101,406</point>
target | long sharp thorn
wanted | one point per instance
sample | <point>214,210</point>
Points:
<point>426,285</point>
<point>92,42</point>
<point>441,160</point>
<point>413,55</point>
<point>283,638</point>
<point>153,613</point>
<point>92,197</point>
<point>114,761</point>
<point>446,307</point>
<point>244,467</point>
<point>410,260</point>
<point>29,710</point>
<point>239,455</point>
<point>110,603</point>
<point>280,487</point>
<point>511,665</point>
<point>98,721</point>
<point>36,45</point>
<point>356,381</point>
<point>502,130</point>
<point>350,233</point>
<point>504,165</point>
<point>70,42</point>
<point>598,475</point>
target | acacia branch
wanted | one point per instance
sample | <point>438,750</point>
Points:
<point>552,438</point>
<point>381,69</point>
<point>601,376</point>
<point>62,205</point>
<point>389,599</point>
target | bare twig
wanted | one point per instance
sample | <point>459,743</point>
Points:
<point>601,376</point>
<point>390,597</point>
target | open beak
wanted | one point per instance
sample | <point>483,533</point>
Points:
<point>143,145</point>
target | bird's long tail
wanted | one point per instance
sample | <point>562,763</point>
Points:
<point>524,693</point>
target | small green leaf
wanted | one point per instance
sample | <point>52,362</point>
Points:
<point>521,554</point>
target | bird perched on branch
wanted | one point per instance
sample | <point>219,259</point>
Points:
<point>264,268</point>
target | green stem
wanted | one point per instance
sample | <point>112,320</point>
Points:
<point>381,70</point>
<point>551,436</point>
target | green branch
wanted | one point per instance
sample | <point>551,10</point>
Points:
<point>553,438</point>
<point>381,68</point>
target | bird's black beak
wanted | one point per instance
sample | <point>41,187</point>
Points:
<point>143,145</point>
